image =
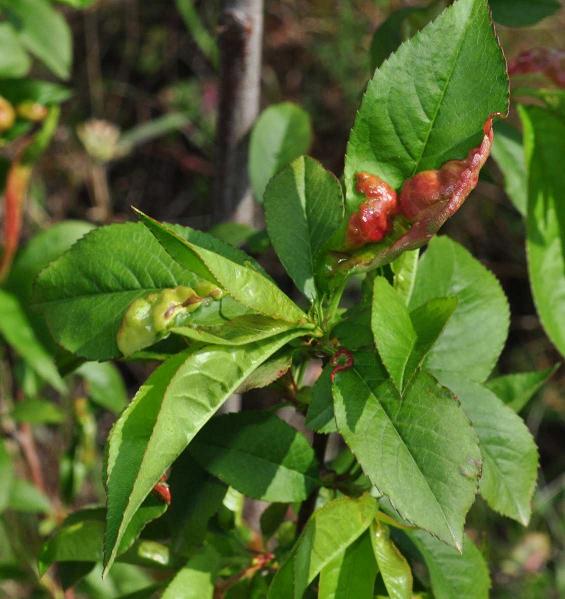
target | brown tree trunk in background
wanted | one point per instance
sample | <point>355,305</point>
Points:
<point>240,41</point>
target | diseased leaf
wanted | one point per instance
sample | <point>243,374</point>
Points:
<point>303,209</point>
<point>418,110</point>
<point>544,141</point>
<point>170,408</point>
<point>85,293</point>
<point>351,574</point>
<point>510,457</point>
<point>516,390</point>
<point>330,530</point>
<point>392,565</point>
<point>476,332</point>
<point>420,451</point>
<point>281,133</point>
<point>43,31</point>
<point>508,152</point>
<point>247,286</point>
<point>453,574</point>
<point>16,329</point>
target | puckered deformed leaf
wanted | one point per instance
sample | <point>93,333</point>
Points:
<point>453,574</point>
<point>427,103</point>
<point>420,451</point>
<point>426,106</point>
<point>247,286</point>
<point>351,574</point>
<point>85,293</point>
<point>170,408</point>
<point>258,454</point>
<point>544,142</point>
<point>393,566</point>
<point>510,457</point>
<point>476,332</point>
<point>330,530</point>
<point>303,208</point>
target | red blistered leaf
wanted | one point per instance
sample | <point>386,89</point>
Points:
<point>162,490</point>
<point>425,202</point>
<point>373,219</point>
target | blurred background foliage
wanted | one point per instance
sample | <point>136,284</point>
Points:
<point>138,129</point>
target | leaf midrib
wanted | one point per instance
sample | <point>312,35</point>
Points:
<point>441,98</point>
<point>411,455</point>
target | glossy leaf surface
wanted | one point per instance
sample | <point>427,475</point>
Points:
<point>165,415</point>
<point>426,460</point>
<point>303,209</point>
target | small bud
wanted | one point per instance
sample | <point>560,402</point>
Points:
<point>32,111</point>
<point>7,115</point>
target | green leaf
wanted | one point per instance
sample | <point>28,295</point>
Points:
<point>25,497</point>
<point>42,249</point>
<point>247,286</point>
<point>14,60</point>
<point>37,411</point>
<point>196,579</point>
<point>303,209</point>
<point>351,574</point>
<point>516,390</point>
<point>16,329</point>
<point>6,475</point>
<point>522,13</point>
<point>267,373</point>
<point>258,454</point>
<point>320,416</point>
<point>271,519</point>
<point>400,26</point>
<point>510,457</point>
<point>85,293</point>
<point>508,152</point>
<point>80,537</point>
<point>405,268</point>
<point>453,574</point>
<point>42,92</point>
<point>77,3</point>
<point>476,332</point>
<point>281,133</point>
<point>404,339</point>
<point>170,408</point>
<point>43,31</point>
<point>544,141</point>
<point>392,565</point>
<point>428,102</point>
<point>420,451</point>
<point>104,385</point>
<point>330,530</point>
<point>196,497</point>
